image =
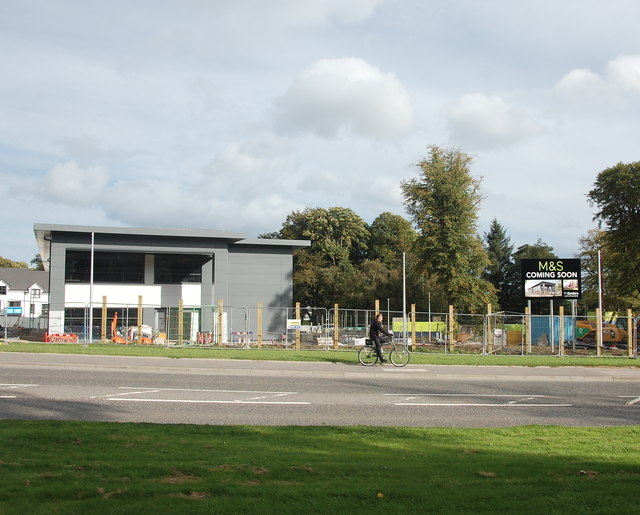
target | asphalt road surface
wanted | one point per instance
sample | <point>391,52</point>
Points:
<point>200,391</point>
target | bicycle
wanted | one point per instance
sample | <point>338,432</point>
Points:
<point>399,355</point>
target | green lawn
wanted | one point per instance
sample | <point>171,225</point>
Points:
<point>340,356</point>
<point>81,467</point>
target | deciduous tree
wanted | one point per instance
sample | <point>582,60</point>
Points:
<point>443,202</point>
<point>616,195</point>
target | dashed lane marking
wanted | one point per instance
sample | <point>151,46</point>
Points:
<point>207,401</point>
<point>13,386</point>
<point>239,396</point>
<point>516,400</point>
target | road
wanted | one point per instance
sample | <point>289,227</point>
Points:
<point>200,391</point>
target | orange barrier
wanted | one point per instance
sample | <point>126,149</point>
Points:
<point>60,338</point>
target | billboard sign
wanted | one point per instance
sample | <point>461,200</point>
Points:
<point>551,278</point>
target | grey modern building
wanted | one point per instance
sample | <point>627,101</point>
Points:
<point>162,267</point>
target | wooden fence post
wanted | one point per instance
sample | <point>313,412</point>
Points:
<point>561,339</point>
<point>336,332</point>
<point>413,327</point>
<point>180,321</point>
<point>139,339</point>
<point>450,329</point>
<point>103,329</point>
<point>260,325</point>
<point>298,329</point>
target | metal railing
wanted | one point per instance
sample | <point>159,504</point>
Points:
<point>318,328</point>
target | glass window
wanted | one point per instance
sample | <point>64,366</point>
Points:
<point>108,267</point>
<point>179,268</point>
<point>3,290</point>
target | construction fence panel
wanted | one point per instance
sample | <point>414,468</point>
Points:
<point>506,334</point>
<point>353,326</point>
<point>313,328</point>
<point>615,338</point>
<point>443,333</point>
<point>431,332</point>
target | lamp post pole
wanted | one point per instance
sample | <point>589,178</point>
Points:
<point>91,290</point>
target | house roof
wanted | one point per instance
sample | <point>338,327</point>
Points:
<point>23,278</point>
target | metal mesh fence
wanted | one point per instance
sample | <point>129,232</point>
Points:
<point>318,328</point>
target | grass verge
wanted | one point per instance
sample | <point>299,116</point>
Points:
<point>340,356</point>
<point>82,467</point>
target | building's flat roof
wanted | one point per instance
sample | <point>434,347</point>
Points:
<point>146,231</point>
<point>43,235</point>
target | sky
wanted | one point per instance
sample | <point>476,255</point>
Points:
<point>232,114</point>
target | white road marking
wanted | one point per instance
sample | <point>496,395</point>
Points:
<point>484,405</point>
<point>634,400</point>
<point>199,390</point>
<point>190,401</point>
<point>13,385</point>
<point>517,402</point>
<point>256,399</point>
<point>121,394</point>
<point>528,396</point>
<point>391,369</point>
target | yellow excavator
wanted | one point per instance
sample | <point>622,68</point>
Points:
<point>612,335</point>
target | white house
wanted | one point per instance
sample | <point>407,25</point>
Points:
<point>24,297</point>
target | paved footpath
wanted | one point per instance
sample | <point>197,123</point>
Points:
<point>314,368</point>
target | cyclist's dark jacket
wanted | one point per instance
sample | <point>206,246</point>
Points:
<point>376,329</point>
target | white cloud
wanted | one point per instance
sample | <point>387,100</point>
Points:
<point>321,181</point>
<point>333,96</point>
<point>261,154</point>
<point>164,204</point>
<point>172,120</point>
<point>624,71</point>
<point>485,122</point>
<point>580,80</point>
<point>69,184</point>
<point>619,85</point>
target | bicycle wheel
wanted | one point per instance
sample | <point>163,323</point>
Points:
<point>367,355</point>
<point>399,356</point>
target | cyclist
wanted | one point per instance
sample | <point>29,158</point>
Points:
<point>375,331</point>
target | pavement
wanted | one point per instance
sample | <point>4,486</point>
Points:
<point>327,369</point>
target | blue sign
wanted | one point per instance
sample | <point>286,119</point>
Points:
<point>14,310</point>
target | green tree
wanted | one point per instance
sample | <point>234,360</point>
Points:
<point>390,236</point>
<point>337,234</point>
<point>500,270</point>
<point>616,195</point>
<point>36,263</point>
<point>589,246</point>
<point>7,263</point>
<point>536,251</point>
<point>326,272</point>
<point>443,202</point>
